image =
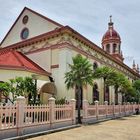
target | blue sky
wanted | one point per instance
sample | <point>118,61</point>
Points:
<point>90,18</point>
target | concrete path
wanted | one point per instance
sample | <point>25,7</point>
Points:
<point>127,128</point>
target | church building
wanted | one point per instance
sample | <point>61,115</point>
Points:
<point>50,46</point>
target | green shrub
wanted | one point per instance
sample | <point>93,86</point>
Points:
<point>60,101</point>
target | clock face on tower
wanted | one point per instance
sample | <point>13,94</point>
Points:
<point>24,33</point>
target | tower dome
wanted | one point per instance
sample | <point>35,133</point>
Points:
<point>111,34</point>
<point>111,41</point>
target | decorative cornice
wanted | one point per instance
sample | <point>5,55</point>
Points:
<point>73,35</point>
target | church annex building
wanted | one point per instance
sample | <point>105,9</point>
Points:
<point>37,45</point>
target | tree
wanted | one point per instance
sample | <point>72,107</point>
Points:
<point>106,73</point>
<point>120,83</point>
<point>136,86</point>
<point>18,87</point>
<point>30,88</point>
<point>123,85</point>
<point>79,75</point>
<point>5,89</point>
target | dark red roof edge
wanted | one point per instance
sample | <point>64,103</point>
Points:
<point>46,18</point>
<point>23,69</point>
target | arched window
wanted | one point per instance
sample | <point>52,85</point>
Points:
<point>114,48</point>
<point>108,48</point>
<point>119,48</point>
<point>95,66</point>
<point>95,93</point>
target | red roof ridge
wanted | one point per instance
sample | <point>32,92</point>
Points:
<point>46,18</point>
<point>14,53</point>
<point>32,61</point>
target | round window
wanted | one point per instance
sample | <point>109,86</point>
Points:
<point>25,19</point>
<point>25,33</point>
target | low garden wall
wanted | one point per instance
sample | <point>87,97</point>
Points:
<point>94,113</point>
<point>22,119</point>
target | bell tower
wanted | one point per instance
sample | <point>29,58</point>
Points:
<point>111,42</point>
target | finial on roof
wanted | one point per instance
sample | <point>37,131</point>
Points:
<point>110,18</point>
<point>110,22</point>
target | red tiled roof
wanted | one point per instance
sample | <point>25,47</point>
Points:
<point>11,59</point>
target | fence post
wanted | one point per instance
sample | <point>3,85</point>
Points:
<point>73,103</point>
<point>0,116</point>
<point>124,108</point>
<point>97,109</point>
<point>119,108</point>
<point>52,111</point>
<point>85,109</point>
<point>128,106</point>
<point>131,108</point>
<point>106,108</point>
<point>20,114</point>
<point>133,105</point>
<point>113,104</point>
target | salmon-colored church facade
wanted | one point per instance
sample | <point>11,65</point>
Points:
<point>51,46</point>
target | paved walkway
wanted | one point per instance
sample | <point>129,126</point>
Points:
<point>127,128</point>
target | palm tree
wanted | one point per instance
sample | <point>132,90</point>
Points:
<point>106,73</point>
<point>120,83</point>
<point>79,75</point>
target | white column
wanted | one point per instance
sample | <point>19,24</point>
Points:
<point>20,114</point>
<point>97,109</point>
<point>52,111</point>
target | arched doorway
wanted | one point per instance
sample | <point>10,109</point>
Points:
<point>106,94</point>
<point>95,93</point>
<point>46,90</point>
